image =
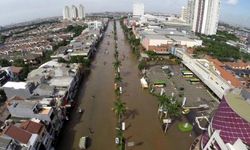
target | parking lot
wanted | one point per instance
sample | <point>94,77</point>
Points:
<point>196,94</point>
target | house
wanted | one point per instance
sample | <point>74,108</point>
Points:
<point>35,127</point>
<point>30,134</point>
<point>27,109</point>
<point>22,89</point>
<point>23,137</point>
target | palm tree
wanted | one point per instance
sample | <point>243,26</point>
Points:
<point>118,78</point>
<point>170,106</point>
<point>116,54</point>
<point>119,109</point>
<point>117,64</point>
<point>163,104</point>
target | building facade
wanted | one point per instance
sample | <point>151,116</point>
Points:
<point>66,13</point>
<point>138,9</point>
<point>74,12</point>
<point>81,12</point>
<point>205,16</point>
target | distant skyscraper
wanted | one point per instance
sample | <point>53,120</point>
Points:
<point>66,13</point>
<point>74,12</point>
<point>206,16</point>
<point>190,12</point>
<point>138,9</point>
<point>184,14</point>
<point>81,12</point>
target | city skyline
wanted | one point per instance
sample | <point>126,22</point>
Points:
<point>232,11</point>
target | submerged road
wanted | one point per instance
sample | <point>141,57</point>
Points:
<point>96,97</point>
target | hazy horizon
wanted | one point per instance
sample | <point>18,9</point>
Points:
<point>234,12</point>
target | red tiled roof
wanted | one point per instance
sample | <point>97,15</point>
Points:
<point>32,127</point>
<point>224,73</point>
<point>16,70</point>
<point>18,134</point>
<point>237,64</point>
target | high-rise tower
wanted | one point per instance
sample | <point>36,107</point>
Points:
<point>74,12</point>
<point>205,16</point>
<point>81,12</point>
<point>138,9</point>
<point>66,13</point>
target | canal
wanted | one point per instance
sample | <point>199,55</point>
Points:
<point>96,97</point>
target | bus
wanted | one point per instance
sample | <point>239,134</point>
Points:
<point>194,80</point>
<point>187,74</point>
<point>159,84</point>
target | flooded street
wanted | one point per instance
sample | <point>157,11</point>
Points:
<point>96,98</point>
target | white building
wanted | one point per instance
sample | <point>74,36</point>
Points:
<point>190,12</point>
<point>81,12</point>
<point>138,9</point>
<point>206,16</point>
<point>184,13</point>
<point>74,12</point>
<point>21,89</point>
<point>66,13</point>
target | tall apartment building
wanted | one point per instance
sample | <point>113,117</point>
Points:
<point>205,16</point>
<point>66,13</point>
<point>184,14</point>
<point>74,12</point>
<point>138,9</point>
<point>190,11</point>
<point>81,12</point>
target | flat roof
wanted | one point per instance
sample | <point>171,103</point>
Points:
<point>155,36</point>
<point>180,38</point>
<point>238,104</point>
<point>15,85</point>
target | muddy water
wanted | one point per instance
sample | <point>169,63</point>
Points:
<point>96,98</point>
<point>143,125</point>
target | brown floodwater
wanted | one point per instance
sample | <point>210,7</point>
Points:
<point>96,97</point>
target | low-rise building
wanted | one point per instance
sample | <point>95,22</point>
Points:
<point>22,89</point>
<point>30,135</point>
<point>28,109</point>
<point>157,43</point>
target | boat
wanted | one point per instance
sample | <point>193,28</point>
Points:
<point>83,142</point>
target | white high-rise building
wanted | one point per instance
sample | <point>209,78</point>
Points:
<point>66,13</point>
<point>74,12</point>
<point>184,14</point>
<point>138,9</point>
<point>81,12</point>
<point>206,16</point>
<point>190,12</point>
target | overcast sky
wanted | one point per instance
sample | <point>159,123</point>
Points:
<point>14,11</point>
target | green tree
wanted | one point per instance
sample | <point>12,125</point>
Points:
<point>119,109</point>
<point>118,78</point>
<point>170,105</point>
<point>4,63</point>
<point>142,65</point>
<point>117,64</point>
<point>3,96</point>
